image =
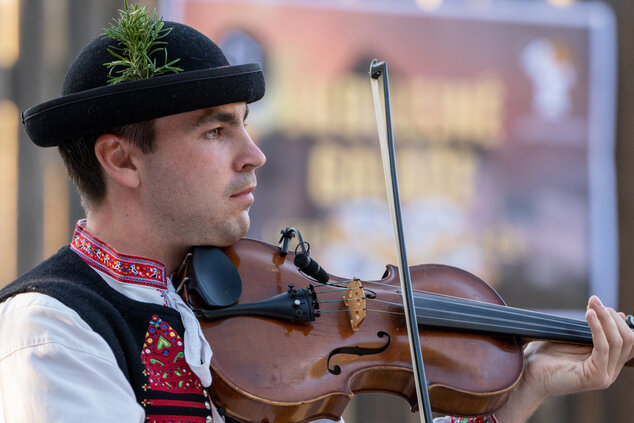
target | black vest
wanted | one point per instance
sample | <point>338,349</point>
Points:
<point>146,339</point>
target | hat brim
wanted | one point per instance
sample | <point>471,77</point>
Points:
<point>66,118</point>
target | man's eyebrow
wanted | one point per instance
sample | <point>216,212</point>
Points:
<point>220,116</point>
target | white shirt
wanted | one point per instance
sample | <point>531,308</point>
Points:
<point>55,368</point>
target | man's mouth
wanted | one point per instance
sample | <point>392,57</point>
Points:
<point>246,193</point>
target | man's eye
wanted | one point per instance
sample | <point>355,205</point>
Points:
<point>214,133</point>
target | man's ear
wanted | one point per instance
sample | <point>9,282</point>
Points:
<point>116,156</point>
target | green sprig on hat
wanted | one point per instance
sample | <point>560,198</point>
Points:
<point>140,36</point>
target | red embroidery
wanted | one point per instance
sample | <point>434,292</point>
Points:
<point>163,355</point>
<point>485,419</point>
<point>173,419</point>
<point>122,267</point>
<point>172,403</point>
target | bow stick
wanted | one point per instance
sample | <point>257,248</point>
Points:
<point>386,140</point>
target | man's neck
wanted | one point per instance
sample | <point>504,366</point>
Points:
<point>132,235</point>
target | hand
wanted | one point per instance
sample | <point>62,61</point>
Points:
<point>552,368</point>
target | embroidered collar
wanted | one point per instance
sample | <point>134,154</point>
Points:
<point>122,267</point>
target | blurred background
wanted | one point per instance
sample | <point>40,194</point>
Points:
<point>511,120</point>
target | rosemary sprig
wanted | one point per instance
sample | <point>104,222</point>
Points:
<point>140,36</point>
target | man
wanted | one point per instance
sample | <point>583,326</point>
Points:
<point>164,162</point>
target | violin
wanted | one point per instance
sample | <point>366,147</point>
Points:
<point>292,349</point>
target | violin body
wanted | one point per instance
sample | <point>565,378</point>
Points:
<point>267,370</point>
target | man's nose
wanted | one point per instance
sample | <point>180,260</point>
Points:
<point>253,157</point>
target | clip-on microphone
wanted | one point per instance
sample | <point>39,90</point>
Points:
<point>302,260</point>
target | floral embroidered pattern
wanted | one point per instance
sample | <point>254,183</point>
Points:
<point>174,419</point>
<point>122,267</point>
<point>163,355</point>
<point>484,419</point>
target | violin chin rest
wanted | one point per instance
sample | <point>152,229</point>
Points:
<point>214,277</point>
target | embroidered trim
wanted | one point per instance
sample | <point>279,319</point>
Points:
<point>122,267</point>
<point>155,418</point>
<point>172,403</point>
<point>484,419</point>
<point>166,299</point>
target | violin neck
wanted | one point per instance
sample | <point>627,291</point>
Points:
<point>446,312</point>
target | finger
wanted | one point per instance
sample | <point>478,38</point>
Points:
<point>608,319</point>
<point>594,301</point>
<point>601,349</point>
<point>627,338</point>
<point>621,324</point>
<point>599,368</point>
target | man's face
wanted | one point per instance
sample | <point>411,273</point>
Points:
<point>198,182</point>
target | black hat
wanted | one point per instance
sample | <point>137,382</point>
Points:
<point>89,105</point>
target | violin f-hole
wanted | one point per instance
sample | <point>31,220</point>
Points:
<point>356,350</point>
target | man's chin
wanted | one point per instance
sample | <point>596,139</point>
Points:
<point>233,232</point>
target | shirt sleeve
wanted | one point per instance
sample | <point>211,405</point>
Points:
<point>55,368</point>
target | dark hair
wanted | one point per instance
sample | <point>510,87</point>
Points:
<point>84,168</point>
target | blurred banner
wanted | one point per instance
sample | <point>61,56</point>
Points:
<point>503,118</point>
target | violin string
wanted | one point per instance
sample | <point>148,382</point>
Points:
<point>506,315</point>
<point>509,328</point>
<point>345,310</point>
<point>472,302</point>
<point>506,327</point>
<point>334,290</point>
<point>510,312</point>
<point>422,291</point>
<point>501,316</point>
<point>329,284</point>
<point>338,311</point>
<point>394,303</point>
<point>513,311</point>
<point>397,303</point>
<point>419,291</point>
<point>391,292</point>
<point>386,284</point>
<point>501,319</point>
<point>478,308</point>
<point>332,301</point>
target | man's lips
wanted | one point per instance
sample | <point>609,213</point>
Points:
<point>244,193</point>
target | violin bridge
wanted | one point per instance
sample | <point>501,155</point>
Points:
<point>354,298</point>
